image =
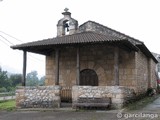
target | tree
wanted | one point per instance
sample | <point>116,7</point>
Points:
<point>4,81</point>
<point>32,79</point>
<point>42,81</point>
<point>16,79</point>
<point>3,89</point>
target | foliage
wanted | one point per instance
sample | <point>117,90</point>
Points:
<point>32,79</point>
<point>4,81</point>
<point>7,105</point>
<point>16,79</point>
<point>3,89</point>
<point>42,81</point>
<point>151,91</point>
<point>9,83</point>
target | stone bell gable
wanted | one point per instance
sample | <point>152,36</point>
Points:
<point>66,24</point>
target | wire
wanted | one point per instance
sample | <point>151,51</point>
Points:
<point>11,36</point>
<point>6,40</point>
<point>13,44</point>
<point>35,58</point>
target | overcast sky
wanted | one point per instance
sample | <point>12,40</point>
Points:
<point>31,20</point>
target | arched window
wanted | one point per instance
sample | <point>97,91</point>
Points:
<point>88,77</point>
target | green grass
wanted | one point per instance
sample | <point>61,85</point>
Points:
<point>8,105</point>
<point>141,103</point>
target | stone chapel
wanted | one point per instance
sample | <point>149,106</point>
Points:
<point>92,60</point>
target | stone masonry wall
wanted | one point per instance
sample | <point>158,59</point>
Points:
<point>145,69</point>
<point>50,69</point>
<point>100,58</point>
<point>38,97</point>
<point>142,75</point>
<point>119,94</point>
<point>153,77</point>
<point>93,26</point>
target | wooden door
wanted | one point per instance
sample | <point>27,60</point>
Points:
<point>88,77</point>
<point>66,94</point>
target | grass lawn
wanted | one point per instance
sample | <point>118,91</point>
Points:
<point>7,105</point>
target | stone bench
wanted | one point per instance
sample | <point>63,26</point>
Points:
<point>92,102</point>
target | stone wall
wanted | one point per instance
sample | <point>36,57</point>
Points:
<point>38,97</point>
<point>142,72</point>
<point>93,26</point>
<point>50,69</point>
<point>119,95</point>
<point>153,77</point>
<point>99,58</point>
<point>145,73</point>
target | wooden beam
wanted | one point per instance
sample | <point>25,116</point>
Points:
<point>78,67</point>
<point>116,65</point>
<point>24,68</point>
<point>57,67</point>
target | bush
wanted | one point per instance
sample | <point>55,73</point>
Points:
<point>151,91</point>
<point>3,89</point>
<point>10,89</point>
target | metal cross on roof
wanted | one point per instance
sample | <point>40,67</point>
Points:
<point>66,9</point>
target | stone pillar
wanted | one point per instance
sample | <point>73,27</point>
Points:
<point>78,67</point>
<point>24,68</point>
<point>57,67</point>
<point>149,72</point>
<point>116,66</point>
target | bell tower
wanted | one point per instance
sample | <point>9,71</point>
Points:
<point>66,25</point>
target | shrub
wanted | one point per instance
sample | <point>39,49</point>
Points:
<point>151,91</point>
<point>3,89</point>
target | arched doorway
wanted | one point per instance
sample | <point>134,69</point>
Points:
<point>88,77</point>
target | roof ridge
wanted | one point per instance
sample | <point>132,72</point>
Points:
<point>112,30</point>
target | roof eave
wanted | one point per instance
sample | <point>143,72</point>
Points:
<point>145,50</point>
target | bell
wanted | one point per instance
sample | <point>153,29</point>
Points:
<point>67,29</point>
<point>66,26</point>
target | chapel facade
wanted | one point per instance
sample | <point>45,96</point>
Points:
<point>90,60</point>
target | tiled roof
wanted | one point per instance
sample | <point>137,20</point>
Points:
<point>87,37</point>
<point>84,37</point>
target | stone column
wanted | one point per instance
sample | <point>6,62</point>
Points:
<point>116,66</point>
<point>57,67</point>
<point>78,67</point>
<point>24,68</point>
<point>149,72</point>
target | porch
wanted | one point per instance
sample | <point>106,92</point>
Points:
<point>93,69</point>
<point>101,79</point>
